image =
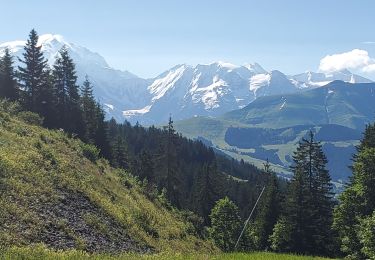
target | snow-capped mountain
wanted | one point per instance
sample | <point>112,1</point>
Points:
<point>183,91</point>
<point>318,79</point>
<point>117,90</point>
<point>212,89</point>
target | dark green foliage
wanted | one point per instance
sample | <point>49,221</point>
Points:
<point>267,213</point>
<point>69,115</point>
<point>8,83</point>
<point>30,118</point>
<point>207,189</point>
<point>307,217</point>
<point>357,202</point>
<point>366,235</point>
<point>225,224</point>
<point>90,152</point>
<point>89,114</point>
<point>33,75</point>
<point>197,175</point>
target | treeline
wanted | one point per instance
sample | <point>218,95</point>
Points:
<point>53,93</point>
<point>307,219</point>
<point>190,175</point>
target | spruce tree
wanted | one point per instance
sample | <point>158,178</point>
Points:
<point>8,83</point>
<point>267,213</point>
<point>67,93</point>
<point>101,136</point>
<point>309,202</point>
<point>357,201</point>
<point>172,180</point>
<point>89,112</point>
<point>206,191</point>
<point>32,76</point>
<point>120,154</point>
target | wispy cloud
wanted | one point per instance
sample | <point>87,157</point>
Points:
<point>355,59</point>
<point>368,42</point>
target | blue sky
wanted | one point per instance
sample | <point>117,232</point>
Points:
<point>148,37</point>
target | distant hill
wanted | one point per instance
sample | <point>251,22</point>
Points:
<point>271,126</point>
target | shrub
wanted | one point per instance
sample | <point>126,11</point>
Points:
<point>90,151</point>
<point>225,224</point>
<point>366,234</point>
<point>30,118</point>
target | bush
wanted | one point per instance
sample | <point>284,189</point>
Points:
<point>281,237</point>
<point>30,118</point>
<point>225,224</point>
<point>366,234</point>
<point>90,151</point>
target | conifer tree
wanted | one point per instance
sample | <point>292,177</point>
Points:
<point>171,176</point>
<point>120,153</point>
<point>357,202</point>
<point>8,83</point>
<point>32,76</point>
<point>267,213</point>
<point>145,166</point>
<point>89,112</point>
<point>67,93</point>
<point>101,137</point>
<point>308,207</point>
<point>206,191</point>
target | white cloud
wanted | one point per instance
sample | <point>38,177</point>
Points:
<point>356,59</point>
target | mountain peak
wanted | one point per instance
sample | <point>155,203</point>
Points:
<point>256,68</point>
<point>223,64</point>
<point>44,38</point>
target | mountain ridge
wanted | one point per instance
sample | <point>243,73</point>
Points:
<point>337,113</point>
<point>184,90</point>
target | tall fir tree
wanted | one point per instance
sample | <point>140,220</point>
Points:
<point>89,111</point>
<point>67,94</point>
<point>206,191</point>
<point>8,84</point>
<point>101,136</point>
<point>267,213</point>
<point>32,76</point>
<point>307,217</point>
<point>357,201</point>
<point>171,178</point>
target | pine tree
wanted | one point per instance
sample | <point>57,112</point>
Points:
<point>357,201</point>
<point>120,153</point>
<point>33,77</point>
<point>267,213</point>
<point>101,137</point>
<point>206,191</point>
<point>146,166</point>
<point>309,202</point>
<point>8,83</point>
<point>171,176</point>
<point>89,112</point>
<point>67,93</point>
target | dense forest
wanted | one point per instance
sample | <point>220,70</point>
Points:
<point>215,192</point>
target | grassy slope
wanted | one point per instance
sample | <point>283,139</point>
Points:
<point>44,180</point>
<point>40,252</point>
